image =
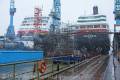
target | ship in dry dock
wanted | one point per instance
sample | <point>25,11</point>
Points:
<point>92,34</point>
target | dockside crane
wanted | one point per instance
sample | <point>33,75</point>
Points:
<point>10,31</point>
<point>117,12</point>
<point>117,24</point>
<point>52,39</point>
<point>56,16</point>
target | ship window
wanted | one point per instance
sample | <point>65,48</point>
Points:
<point>77,27</point>
<point>82,27</point>
<point>96,26</point>
<point>103,26</point>
<point>89,26</point>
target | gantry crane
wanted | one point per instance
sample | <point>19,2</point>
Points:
<point>10,31</point>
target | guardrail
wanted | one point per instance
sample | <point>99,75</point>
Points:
<point>25,70</point>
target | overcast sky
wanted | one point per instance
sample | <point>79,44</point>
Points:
<point>71,10</point>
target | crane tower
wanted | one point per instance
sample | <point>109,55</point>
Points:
<point>117,11</point>
<point>56,15</point>
<point>10,31</point>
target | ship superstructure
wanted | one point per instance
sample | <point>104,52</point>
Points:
<point>92,34</point>
<point>27,26</point>
<point>93,23</point>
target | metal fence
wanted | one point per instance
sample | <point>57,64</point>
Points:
<point>25,70</point>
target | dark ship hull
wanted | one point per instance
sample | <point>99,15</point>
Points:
<point>93,43</point>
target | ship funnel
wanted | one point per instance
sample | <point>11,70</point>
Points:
<point>95,10</point>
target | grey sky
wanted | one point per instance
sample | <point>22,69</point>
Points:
<point>71,10</point>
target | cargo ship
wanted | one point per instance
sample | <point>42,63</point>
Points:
<point>92,33</point>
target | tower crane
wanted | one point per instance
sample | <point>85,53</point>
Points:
<point>10,31</point>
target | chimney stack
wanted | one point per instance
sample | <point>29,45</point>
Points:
<point>95,10</point>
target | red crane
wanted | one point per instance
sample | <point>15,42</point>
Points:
<point>37,18</point>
